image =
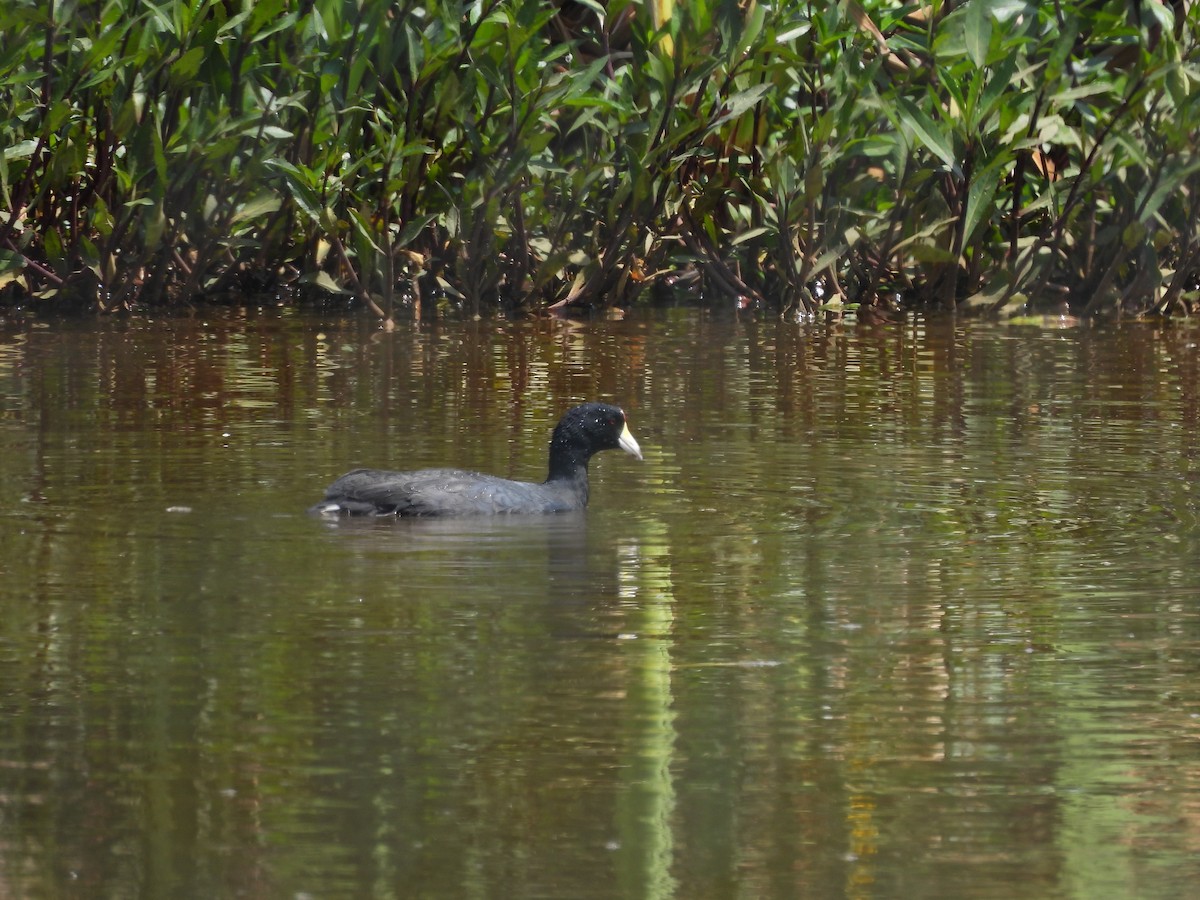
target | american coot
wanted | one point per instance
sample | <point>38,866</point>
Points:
<point>584,430</point>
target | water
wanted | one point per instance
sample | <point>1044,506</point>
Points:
<point>886,612</point>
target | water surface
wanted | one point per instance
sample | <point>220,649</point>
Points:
<point>886,612</point>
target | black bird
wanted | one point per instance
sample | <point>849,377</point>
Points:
<point>584,430</point>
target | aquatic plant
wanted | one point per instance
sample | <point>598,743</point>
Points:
<point>985,155</point>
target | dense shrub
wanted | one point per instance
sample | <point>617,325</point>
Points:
<point>516,153</point>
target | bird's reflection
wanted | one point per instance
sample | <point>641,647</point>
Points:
<point>511,557</point>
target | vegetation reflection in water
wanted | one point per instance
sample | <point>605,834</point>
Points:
<point>883,612</point>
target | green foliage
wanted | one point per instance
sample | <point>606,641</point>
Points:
<point>987,154</point>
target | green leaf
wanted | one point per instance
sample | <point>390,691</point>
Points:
<point>1168,184</point>
<point>582,82</point>
<point>979,201</point>
<point>1090,89</point>
<point>977,32</point>
<point>832,256</point>
<point>325,281</point>
<point>750,235</point>
<point>411,229</point>
<point>20,150</point>
<point>741,102</point>
<point>930,252</point>
<point>11,264</point>
<point>751,28</point>
<point>188,65</point>
<point>1000,81</point>
<point>926,131</point>
<point>296,181</point>
<point>258,206</point>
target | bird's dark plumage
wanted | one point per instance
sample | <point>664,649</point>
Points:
<point>584,430</point>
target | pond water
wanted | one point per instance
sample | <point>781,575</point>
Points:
<point>897,611</point>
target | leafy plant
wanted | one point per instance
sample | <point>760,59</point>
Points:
<point>986,155</point>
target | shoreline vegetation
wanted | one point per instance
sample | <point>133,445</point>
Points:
<point>991,156</point>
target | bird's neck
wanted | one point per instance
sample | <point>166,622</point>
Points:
<point>567,463</point>
<point>568,469</point>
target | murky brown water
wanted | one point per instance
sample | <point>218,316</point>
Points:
<point>895,612</point>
